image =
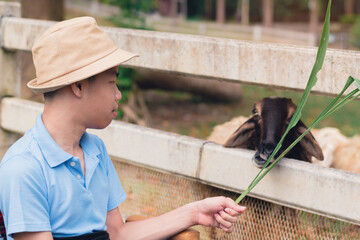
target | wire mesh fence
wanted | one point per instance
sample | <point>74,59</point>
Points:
<point>152,193</point>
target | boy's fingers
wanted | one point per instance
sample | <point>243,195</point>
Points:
<point>228,217</point>
<point>228,230</point>
<point>232,204</point>
<point>232,212</point>
<point>222,221</point>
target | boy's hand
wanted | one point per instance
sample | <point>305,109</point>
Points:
<point>218,212</point>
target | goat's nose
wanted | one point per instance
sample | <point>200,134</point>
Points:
<point>269,148</point>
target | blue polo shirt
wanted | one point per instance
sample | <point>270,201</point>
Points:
<point>42,188</point>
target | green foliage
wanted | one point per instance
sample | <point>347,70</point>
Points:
<point>131,12</point>
<point>355,34</point>
<point>132,15</point>
<point>196,10</point>
<point>290,10</point>
<point>125,85</point>
<point>132,5</point>
<point>348,18</point>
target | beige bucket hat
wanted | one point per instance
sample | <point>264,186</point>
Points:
<point>71,51</point>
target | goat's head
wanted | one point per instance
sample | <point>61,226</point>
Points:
<point>263,130</point>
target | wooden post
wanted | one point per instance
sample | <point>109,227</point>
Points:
<point>220,11</point>
<point>349,7</point>
<point>314,16</point>
<point>245,12</point>
<point>208,9</point>
<point>46,9</point>
<point>174,8</point>
<point>268,13</point>
<point>10,71</point>
<point>183,8</point>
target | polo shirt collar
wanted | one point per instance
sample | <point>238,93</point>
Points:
<point>53,154</point>
<point>89,145</point>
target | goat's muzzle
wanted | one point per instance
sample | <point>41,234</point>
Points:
<point>260,158</point>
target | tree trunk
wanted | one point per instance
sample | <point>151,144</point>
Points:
<point>183,9</point>
<point>43,9</point>
<point>174,8</point>
<point>219,90</point>
<point>314,16</point>
<point>208,9</point>
<point>349,7</point>
<point>245,8</point>
<point>37,9</point>
<point>220,11</point>
<point>268,13</point>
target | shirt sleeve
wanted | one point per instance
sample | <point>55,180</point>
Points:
<point>117,193</point>
<point>23,196</point>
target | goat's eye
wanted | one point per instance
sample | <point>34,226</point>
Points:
<point>254,111</point>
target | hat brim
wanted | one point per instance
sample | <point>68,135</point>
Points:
<point>111,60</point>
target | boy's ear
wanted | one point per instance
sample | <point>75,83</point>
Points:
<point>77,88</point>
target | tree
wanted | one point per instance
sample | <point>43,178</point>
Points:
<point>220,11</point>
<point>43,9</point>
<point>268,13</point>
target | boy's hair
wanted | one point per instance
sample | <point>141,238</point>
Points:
<point>50,95</point>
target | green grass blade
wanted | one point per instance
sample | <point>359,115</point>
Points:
<point>357,83</point>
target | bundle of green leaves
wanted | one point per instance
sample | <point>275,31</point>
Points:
<point>334,105</point>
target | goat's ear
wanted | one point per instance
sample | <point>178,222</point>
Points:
<point>309,143</point>
<point>244,136</point>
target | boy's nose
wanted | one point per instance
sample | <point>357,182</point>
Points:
<point>118,94</point>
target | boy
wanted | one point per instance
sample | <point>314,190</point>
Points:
<point>58,181</point>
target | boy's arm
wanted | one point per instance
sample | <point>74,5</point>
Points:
<point>215,212</point>
<point>33,236</point>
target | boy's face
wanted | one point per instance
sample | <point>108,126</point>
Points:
<point>101,98</point>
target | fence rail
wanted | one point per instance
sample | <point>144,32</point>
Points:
<point>329,192</point>
<point>274,65</point>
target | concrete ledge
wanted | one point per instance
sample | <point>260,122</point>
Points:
<point>149,147</point>
<point>19,115</point>
<point>152,148</point>
<point>272,65</point>
<point>330,192</point>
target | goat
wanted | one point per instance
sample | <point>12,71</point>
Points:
<point>347,155</point>
<point>263,130</point>
<point>330,140</point>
